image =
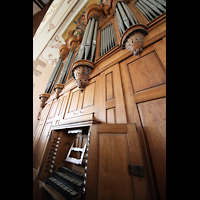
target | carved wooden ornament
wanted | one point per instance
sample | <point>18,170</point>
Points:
<point>58,88</point>
<point>43,98</point>
<point>81,71</point>
<point>63,51</point>
<point>132,39</point>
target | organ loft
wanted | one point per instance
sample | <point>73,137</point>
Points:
<point>102,125</point>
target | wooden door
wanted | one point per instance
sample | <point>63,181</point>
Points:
<point>112,148</point>
<point>112,108</point>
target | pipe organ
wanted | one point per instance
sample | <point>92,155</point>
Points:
<point>102,119</point>
<point>107,39</point>
<point>54,76</point>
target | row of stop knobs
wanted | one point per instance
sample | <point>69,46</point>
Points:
<point>52,155</point>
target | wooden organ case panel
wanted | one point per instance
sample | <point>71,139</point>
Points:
<point>112,149</point>
<point>112,109</point>
<point>61,177</point>
<point>144,87</point>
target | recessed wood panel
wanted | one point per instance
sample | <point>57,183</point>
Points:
<point>39,152</point>
<point>113,165</point>
<point>109,86</point>
<point>153,116</point>
<point>53,109</point>
<point>64,103</point>
<point>110,116</point>
<point>147,72</point>
<point>74,101</point>
<point>45,111</point>
<point>89,95</point>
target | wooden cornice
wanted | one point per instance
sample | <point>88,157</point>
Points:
<point>93,11</point>
<point>110,7</point>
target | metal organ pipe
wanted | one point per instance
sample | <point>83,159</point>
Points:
<point>125,17</point>
<point>88,44</point>
<point>81,50</point>
<point>53,76</point>
<point>94,41</point>
<point>107,39</point>
<point>89,39</point>
<point>65,70</point>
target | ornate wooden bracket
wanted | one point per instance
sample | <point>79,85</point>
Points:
<point>81,71</point>
<point>43,98</point>
<point>58,88</point>
<point>132,39</point>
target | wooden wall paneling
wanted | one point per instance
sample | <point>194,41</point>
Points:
<point>153,117</point>
<point>73,101</point>
<point>37,135</point>
<point>146,72</point>
<point>41,146</point>
<point>64,104</point>
<point>89,95</point>
<point>112,107</point>
<point>41,124</point>
<point>90,101</point>
<point>53,108</point>
<point>112,148</point>
<point>131,98</point>
<point>160,48</point>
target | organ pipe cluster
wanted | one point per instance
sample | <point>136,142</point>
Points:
<point>151,8</point>
<point>65,69</point>
<point>125,17</point>
<point>107,39</point>
<point>88,44</point>
<point>54,76</point>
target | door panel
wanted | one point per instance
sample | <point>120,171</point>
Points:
<point>112,148</point>
<point>153,116</point>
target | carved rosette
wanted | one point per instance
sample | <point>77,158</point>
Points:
<point>132,39</point>
<point>81,71</point>
<point>58,88</point>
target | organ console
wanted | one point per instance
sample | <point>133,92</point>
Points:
<point>64,165</point>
